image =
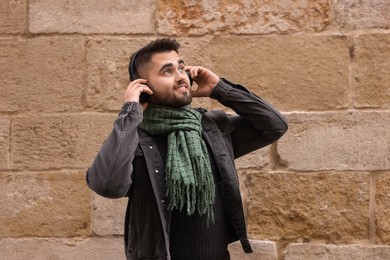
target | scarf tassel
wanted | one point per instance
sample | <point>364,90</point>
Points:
<point>199,195</point>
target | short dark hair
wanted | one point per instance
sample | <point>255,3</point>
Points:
<point>140,58</point>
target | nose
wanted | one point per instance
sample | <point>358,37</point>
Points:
<point>180,75</point>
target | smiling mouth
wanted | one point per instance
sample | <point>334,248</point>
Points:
<point>181,86</point>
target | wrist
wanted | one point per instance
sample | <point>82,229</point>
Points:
<point>129,106</point>
<point>220,89</point>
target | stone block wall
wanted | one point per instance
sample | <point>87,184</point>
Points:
<point>321,192</point>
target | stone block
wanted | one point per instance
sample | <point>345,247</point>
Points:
<point>13,16</point>
<point>90,16</point>
<point>264,250</point>
<point>58,141</point>
<point>257,159</point>
<point>357,14</point>
<point>291,72</point>
<point>337,140</point>
<point>327,206</point>
<point>44,204</point>
<point>241,17</point>
<point>4,142</point>
<point>311,251</point>
<point>107,68</point>
<point>41,74</point>
<point>382,207</point>
<point>107,71</point>
<point>372,57</point>
<point>108,216</point>
<point>62,249</point>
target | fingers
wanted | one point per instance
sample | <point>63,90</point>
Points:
<point>205,79</point>
<point>195,93</point>
<point>199,73</point>
<point>194,70</point>
<point>144,105</point>
<point>134,90</point>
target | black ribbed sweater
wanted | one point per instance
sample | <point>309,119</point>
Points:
<point>191,237</point>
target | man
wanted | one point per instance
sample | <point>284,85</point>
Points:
<point>176,163</point>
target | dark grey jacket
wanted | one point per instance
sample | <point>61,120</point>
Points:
<point>128,148</point>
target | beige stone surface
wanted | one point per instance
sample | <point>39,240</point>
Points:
<point>107,67</point>
<point>355,140</point>
<point>382,207</point>
<point>107,71</point>
<point>256,159</point>
<point>357,14</point>
<point>108,216</point>
<point>320,192</point>
<point>291,72</point>
<point>58,141</point>
<point>41,74</point>
<point>242,17</point>
<point>102,248</point>
<point>372,55</point>
<point>90,16</point>
<point>330,206</point>
<point>62,249</point>
<point>55,203</point>
<point>13,16</point>
<point>4,142</point>
<point>312,251</point>
<point>264,250</point>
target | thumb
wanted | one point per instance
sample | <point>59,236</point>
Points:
<point>195,93</point>
<point>144,105</point>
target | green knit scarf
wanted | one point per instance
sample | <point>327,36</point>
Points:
<point>189,180</point>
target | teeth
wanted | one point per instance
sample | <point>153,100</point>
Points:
<point>181,87</point>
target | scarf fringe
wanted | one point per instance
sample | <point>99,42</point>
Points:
<point>199,196</point>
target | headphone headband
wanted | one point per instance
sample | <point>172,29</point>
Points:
<point>132,66</point>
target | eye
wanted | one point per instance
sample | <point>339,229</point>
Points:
<point>181,69</point>
<point>167,71</point>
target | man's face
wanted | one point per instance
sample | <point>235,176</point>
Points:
<point>168,80</point>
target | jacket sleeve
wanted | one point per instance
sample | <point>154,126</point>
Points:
<point>111,172</point>
<point>256,124</point>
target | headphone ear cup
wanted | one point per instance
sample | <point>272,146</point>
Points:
<point>132,67</point>
<point>189,76</point>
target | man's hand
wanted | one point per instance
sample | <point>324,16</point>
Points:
<point>205,78</point>
<point>134,90</point>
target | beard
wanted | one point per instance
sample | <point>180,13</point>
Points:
<point>170,99</point>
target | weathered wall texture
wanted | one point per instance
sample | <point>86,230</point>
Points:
<point>321,192</point>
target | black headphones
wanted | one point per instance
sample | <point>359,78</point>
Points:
<point>132,68</point>
<point>144,97</point>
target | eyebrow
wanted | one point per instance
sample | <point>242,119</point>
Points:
<point>171,65</point>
